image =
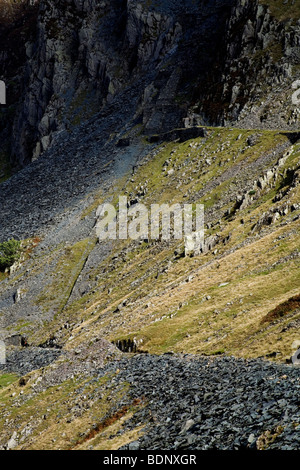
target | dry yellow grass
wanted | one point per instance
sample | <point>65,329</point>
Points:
<point>165,312</point>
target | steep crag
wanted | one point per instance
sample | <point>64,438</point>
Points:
<point>209,62</point>
<point>145,341</point>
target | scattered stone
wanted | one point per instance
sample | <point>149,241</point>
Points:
<point>12,443</point>
<point>296,358</point>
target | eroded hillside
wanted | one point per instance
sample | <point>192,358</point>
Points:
<point>147,289</point>
<point>72,295</point>
<point>121,343</point>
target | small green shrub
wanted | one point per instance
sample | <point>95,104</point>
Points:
<point>9,253</point>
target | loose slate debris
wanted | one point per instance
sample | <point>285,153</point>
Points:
<point>210,403</point>
<point>26,360</point>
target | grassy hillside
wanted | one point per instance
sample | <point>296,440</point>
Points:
<point>282,10</point>
<point>239,298</point>
<point>210,303</point>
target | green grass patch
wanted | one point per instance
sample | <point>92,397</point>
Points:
<point>6,380</point>
<point>68,268</point>
<point>10,252</point>
<point>281,10</point>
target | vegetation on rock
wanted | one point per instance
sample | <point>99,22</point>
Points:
<point>9,253</point>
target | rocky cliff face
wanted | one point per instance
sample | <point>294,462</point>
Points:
<point>102,338</point>
<point>262,62</point>
<point>87,52</point>
<point>17,26</point>
<point>202,62</point>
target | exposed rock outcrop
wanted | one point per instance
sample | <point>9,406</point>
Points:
<point>190,64</point>
<point>260,69</point>
<point>85,53</point>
